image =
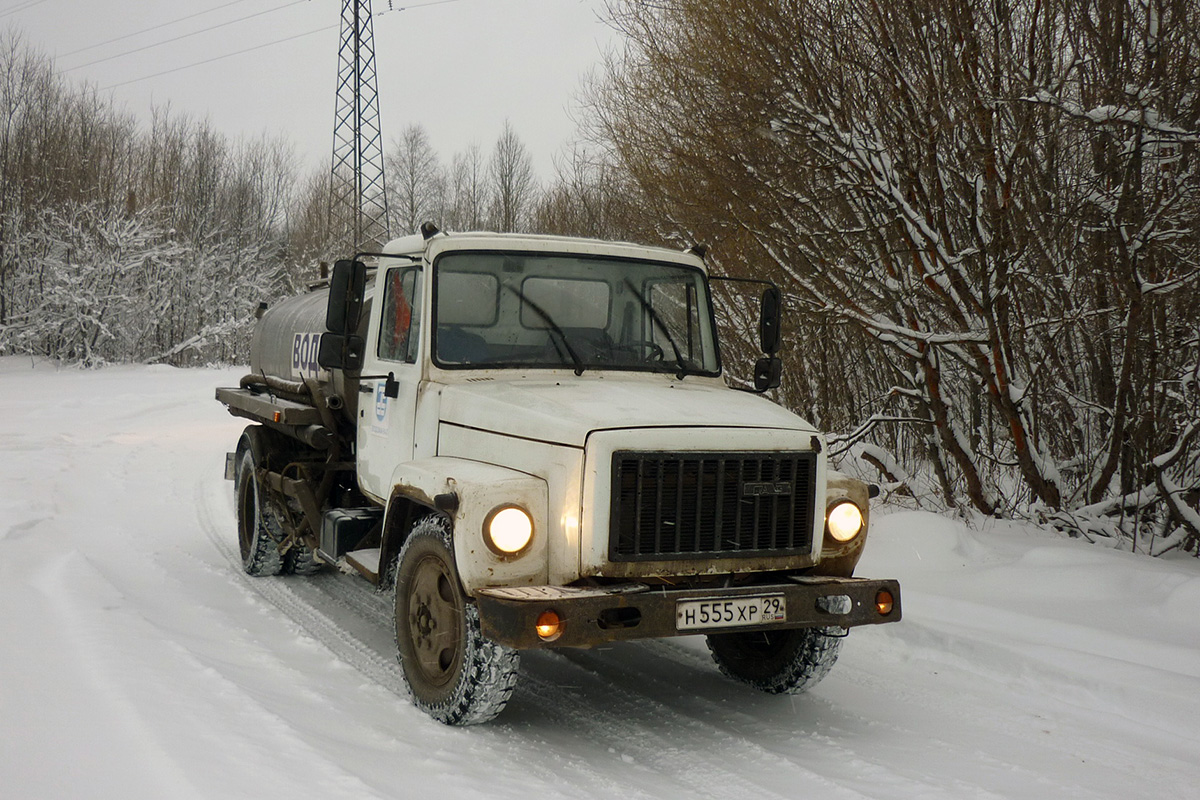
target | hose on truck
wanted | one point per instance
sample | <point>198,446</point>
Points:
<point>289,390</point>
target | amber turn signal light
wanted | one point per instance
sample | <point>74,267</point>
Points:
<point>549,626</point>
<point>884,602</point>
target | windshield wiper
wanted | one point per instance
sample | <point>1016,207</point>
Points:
<point>553,326</point>
<point>679,361</point>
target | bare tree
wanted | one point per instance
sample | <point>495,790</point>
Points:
<point>513,183</point>
<point>589,196</point>
<point>309,239</point>
<point>468,192</point>
<point>992,204</point>
<point>117,245</point>
<point>416,179</point>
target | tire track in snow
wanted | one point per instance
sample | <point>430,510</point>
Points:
<point>629,717</point>
<point>823,742</point>
<point>319,625</point>
<point>622,728</point>
<point>978,700</point>
<point>631,713</point>
<point>602,717</point>
<point>360,599</point>
<point>249,727</point>
<point>636,715</point>
<point>935,718</point>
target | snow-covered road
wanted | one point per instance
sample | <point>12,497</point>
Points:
<point>137,661</point>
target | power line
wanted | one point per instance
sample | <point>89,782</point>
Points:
<point>392,7</point>
<point>19,7</point>
<point>256,47</point>
<point>151,28</point>
<point>186,35</point>
<point>218,58</point>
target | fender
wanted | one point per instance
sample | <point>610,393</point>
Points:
<point>467,492</point>
<point>837,558</point>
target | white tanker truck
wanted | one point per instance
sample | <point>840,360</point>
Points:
<point>529,439</point>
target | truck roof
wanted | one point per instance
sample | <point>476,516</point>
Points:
<point>418,245</point>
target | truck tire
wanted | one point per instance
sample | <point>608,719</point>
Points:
<point>259,530</point>
<point>777,662</point>
<point>302,560</point>
<point>453,673</point>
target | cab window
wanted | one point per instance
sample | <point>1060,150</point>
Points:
<point>401,309</point>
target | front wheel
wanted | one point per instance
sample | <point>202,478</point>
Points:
<point>453,673</point>
<point>777,662</point>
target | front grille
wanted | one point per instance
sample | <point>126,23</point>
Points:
<point>690,505</point>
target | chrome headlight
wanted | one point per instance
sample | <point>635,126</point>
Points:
<point>844,521</point>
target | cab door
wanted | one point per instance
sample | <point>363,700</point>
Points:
<point>386,424</point>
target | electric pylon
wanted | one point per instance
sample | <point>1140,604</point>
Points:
<point>358,207</point>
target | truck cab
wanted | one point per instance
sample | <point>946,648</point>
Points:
<point>532,442</point>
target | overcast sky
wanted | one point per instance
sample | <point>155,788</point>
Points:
<point>458,67</point>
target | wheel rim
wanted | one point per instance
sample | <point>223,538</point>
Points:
<point>435,621</point>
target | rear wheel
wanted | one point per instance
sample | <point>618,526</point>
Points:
<point>453,673</point>
<point>777,662</point>
<point>302,560</point>
<point>259,529</point>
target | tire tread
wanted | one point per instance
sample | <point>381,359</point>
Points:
<point>806,656</point>
<point>489,671</point>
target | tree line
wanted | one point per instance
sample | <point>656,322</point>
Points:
<point>984,215</point>
<point>124,242</point>
<point>154,240</point>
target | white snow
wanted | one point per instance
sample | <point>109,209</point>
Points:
<point>137,661</point>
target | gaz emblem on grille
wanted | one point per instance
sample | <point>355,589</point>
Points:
<point>760,488</point>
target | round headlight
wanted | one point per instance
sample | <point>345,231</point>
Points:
<point>508,530</point>
<point>844,521</point>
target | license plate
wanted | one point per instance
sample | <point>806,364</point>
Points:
<point>730,613</point>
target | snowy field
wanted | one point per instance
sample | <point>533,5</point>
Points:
<point>137,661</point>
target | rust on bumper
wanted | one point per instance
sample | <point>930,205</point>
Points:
<point>593,616</point>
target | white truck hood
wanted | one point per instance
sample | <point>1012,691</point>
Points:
<point>566,412</point>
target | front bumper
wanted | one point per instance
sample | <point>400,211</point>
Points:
<point>592,616</point>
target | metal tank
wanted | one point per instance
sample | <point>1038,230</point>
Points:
<point>283,350</point>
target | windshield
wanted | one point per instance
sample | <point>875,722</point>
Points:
<point>538,310</point>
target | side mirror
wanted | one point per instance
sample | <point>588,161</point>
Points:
<point>346,287</point>
<point>341,351</point>
<point>768,373</point>
<point>769,323</point>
